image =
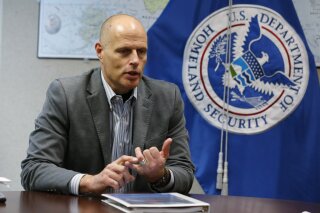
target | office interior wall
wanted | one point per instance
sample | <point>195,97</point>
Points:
<point>23,82</point>
<point>0,32</point>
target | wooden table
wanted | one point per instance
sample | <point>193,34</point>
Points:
<point>43,202</point>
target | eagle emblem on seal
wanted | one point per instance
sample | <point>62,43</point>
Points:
<point>247,66</point>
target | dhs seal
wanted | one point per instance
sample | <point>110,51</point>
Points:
<point>265,79</point>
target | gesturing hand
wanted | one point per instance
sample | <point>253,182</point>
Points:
<point>114,175</point>
<point>155,160</point>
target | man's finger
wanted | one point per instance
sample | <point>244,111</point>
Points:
<point>138,153</point>
<point>128,177</point>
<point>124,158</point>
<point>166,148</point>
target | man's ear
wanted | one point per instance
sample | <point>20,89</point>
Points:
<point>99,50</point>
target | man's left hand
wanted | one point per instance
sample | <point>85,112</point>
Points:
<point>152,161</point>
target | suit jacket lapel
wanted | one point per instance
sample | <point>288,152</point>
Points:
<point>100,109</point>
<point>142,115</point>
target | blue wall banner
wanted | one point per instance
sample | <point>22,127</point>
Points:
<point>245,69</point>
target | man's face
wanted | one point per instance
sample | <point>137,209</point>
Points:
<point>123,55</point>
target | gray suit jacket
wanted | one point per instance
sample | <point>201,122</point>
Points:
<point>72,133</point>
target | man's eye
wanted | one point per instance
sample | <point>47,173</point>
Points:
<point>141,51</point>
<point>124,51</point>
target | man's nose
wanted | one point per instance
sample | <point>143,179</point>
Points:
<point>134,60</point>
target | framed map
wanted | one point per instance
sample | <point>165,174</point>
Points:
<point>70,29</point>
<point>309,15</point>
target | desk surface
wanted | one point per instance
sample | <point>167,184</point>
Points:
<point>42,202</point>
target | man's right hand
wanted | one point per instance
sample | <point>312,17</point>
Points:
<point>114,175</point>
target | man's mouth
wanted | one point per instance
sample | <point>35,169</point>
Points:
<point>133,75</point>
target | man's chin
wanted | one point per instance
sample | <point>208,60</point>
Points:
<point>130,86</point>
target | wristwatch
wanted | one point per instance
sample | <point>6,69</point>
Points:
<point>164,180</point>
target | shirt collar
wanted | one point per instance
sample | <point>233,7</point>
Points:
<point>110,93</point>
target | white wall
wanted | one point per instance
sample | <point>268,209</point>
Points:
<point>0,32</point>
<point>23,82</point>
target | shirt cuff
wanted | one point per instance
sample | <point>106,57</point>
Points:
<point>75,183</point>
<point>170,184</point>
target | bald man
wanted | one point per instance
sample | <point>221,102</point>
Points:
<point>111,129</point>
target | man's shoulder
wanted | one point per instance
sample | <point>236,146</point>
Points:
<point>76,84</point>
<point>160,90</point>
<point>155,84</point>
<point>84,77</point>
<point>80,80</point>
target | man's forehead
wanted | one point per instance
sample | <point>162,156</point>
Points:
<point>123,22</point>
<point>129,43</point>
<point>124,36</point>
<point>131,31</point>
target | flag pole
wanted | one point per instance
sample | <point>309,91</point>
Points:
<point>225,179</point>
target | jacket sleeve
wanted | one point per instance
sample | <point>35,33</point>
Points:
<point>179,161</point>
<point>42,169</point>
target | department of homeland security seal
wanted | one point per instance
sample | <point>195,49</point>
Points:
<point>266,78</point>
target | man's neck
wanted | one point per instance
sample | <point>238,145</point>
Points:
<point>126,96</point>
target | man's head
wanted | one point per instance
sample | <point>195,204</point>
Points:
<point>122,51</point>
